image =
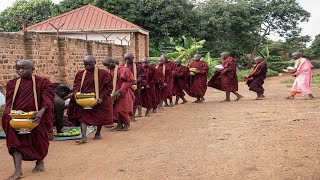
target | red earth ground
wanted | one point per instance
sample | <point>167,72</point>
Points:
<point>270,139</point>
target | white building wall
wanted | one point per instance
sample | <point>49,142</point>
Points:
<point>111,37</point>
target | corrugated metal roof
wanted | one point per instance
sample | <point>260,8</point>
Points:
<point>88,17</point>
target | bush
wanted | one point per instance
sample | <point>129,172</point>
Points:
<point>316,64</point>
<point>242,73</point>
<point>279,66</point>
<point>274,59</point>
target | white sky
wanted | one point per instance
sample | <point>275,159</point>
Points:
<point>311,28</point>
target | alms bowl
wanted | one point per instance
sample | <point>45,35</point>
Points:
<point>24,126</point>
<point>87,103</point>
<point>85,95</point>
<point>193,69</point>
<point>218,67</point>
<point>291,69</point>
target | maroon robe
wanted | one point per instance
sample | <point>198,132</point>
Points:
<point>123,106</point>
<point>198,83</point>
<point>100,114</point>
<point>166,91</point>
<point>181,81</point>
<point>33,146</point>
<point>169,79</point>
<point>258,79</point>
<point>140,77</point>
<point>227,79</point>
<point>148,95</point>
<point>159,85</point>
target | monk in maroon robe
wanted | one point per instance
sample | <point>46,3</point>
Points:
<point>33,146</point>
<point>159,85</point>
<point>148,92</point>
<point>166,91</point>
<point>181,81</point>
<point>256,78</point>
<point>101,114</point>
<point>198,83</point>
<point>169,79</point>
<point>139,77</point>
<point>226,79</point>
<point>123,95</point>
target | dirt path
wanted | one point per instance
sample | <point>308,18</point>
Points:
<point>271,139</point>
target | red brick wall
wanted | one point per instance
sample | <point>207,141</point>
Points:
<point>57,59</point>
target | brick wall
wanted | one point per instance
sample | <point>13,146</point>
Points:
<point>57,59</point>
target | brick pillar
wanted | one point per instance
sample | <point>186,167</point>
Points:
<point>109,49</point>
<point>61,60</point>
<point>89,48</point>
<point>146,38</point>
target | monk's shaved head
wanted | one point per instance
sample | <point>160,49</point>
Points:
<point>26,63</point>
<point>161,60</point>
<point>146,59</point>
<point>89,62</point>
<point>197,56</point>
<point>224,55</point>
<point>165,57</point>
<point>258,59</point>
<point>24,68</point>
<point>296,55</point>
<point>152,63</point>
<point>109,62</point>
<point>178,62</point>
<point>107,59</point>
<point>128,57</point>
<point>90,58</point>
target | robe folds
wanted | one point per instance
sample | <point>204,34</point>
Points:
<point>226,80</point>
<point>166,91</point>
<point>302,83</point>
<point>140,77</point>
<point>148,93</point>
<point>198,83</point>
<point>123,106</point>
<point>258,77</point>
<point>32,146</point>
<point>181,81</point>
<point>100,114</point>
<point>159,85</point>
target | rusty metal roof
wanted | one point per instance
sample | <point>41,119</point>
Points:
<point>86,18</point>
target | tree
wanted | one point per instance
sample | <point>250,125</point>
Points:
<point>280,16</point>
<point>314,50</point>
<point>36,10</point>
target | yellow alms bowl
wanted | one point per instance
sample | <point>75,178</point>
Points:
<point>193,69</point>
<point>23,125</point>
<point>87,103</point>
<point>22,116</point>
<point>85,95</point>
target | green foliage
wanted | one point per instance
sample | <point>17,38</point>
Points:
<point>279,66</point>
<point>274,59</point>
<point>242,73</point>
<point>316,64</point>
<point>37,10</point>
<point>314,50</point>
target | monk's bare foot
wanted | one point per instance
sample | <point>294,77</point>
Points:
<point>176,103</point>
<point>238,98</point>
<point>184,102</point>
<point>290,97</point>
<point>311,96</point>
<point>154,111</point>
<point>39,167</point>
<point>126,127</point>
<point>139,115</point>
<point>81,141</point>
<point>226,100</point>
<point>171,104</point>
<point>202,100</point>
<point>197,101</point>
<point>97,137</point>
<point>15,175</point>
<point>109,126</point>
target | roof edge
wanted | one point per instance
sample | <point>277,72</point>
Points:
<point>97,30</point>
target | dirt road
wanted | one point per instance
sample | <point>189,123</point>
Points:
<point>270,139</point>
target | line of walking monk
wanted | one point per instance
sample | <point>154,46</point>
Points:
<point>131,85</point>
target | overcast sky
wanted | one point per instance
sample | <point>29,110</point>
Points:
<point>311,28</point>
